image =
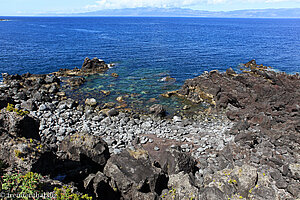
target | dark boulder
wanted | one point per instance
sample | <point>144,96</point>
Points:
<point>4,101</point>
<point>9,78</point>
<point>158,110</point>
<point>86,149</point>
<point>173,161</point>
<point>134,176</point>
<point>76,81</point>
<point>94,65</point>
<point>19,125</point>
<point>113,112</point>
<point>98,185</point>
<point>26,154</point>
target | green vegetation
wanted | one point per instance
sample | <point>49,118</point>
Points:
<point>21,184</point>
<point>31,184</point>
<point>11,108</point>
<point>66,194</point>
<point>18,153</point>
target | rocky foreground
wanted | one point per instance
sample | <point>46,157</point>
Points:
<point>247,147</point>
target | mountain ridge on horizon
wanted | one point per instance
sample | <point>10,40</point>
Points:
<point>185,12</point>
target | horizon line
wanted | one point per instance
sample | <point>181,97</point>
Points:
<point>79,13</point>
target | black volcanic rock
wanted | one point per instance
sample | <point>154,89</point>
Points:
<point>93,65</point>
<point>26,154</point>
<point>19,126</point>
<point>173,161</point>
<point>85,148</point>
<point>158,110</point>
<point>89,66</point>
<point>134,176</point>
<point>76,81</point>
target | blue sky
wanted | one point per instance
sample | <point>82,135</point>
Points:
<point>23,7</point>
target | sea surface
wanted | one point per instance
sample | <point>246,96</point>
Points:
<point>145,50</point>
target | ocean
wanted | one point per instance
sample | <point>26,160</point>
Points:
<point>145,49</point>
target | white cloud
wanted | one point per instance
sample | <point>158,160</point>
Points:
<point>116,4</point>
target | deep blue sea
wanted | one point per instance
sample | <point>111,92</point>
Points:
<point>146,49</point>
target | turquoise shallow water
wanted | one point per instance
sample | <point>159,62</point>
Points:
<point>146,49</point>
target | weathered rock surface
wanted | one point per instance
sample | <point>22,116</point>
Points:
<point>173,161</point>
<point>19,126</point>
<point>86,148</point>
<point>99,184</point>
<point>94,65</point>
<point>253,156</point>
<point>76,81</point>
<point>89,66</point>
<point>158,110</point>
<point>181,187</point>
<point>133,175</point>
<point>26,154</point>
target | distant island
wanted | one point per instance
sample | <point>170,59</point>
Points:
<point>3,20</point>
<point>181,12</point>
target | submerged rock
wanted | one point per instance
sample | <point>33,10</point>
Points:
<point>76,81</point>
<point>115,75</point>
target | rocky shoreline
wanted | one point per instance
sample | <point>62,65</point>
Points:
<point>246,146</point>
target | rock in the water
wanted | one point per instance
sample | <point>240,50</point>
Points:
<point>115,75</point>
<point>94,65</point>
<point>76,81</point>
<point>167,79</point>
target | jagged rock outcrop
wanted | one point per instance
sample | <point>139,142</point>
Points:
<point>76,81</point>
<point>19,125</point>
<point>89,66</point>
<point>157,110</point>
<point>26,154</point>
<point>85,148</point>
<point>173,161</point>
<point>94,65</point>
<point>134,176</point>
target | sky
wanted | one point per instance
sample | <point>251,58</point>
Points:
<point>31,7</point>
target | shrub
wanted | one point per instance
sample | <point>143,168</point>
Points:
<point>11,108</point>
<point>21,184</point>
<point>31,184</point>
<point>66,194</point>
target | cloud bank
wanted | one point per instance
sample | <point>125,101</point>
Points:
<point>118,4</point>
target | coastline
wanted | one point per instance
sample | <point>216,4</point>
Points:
<point>248,136</point>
